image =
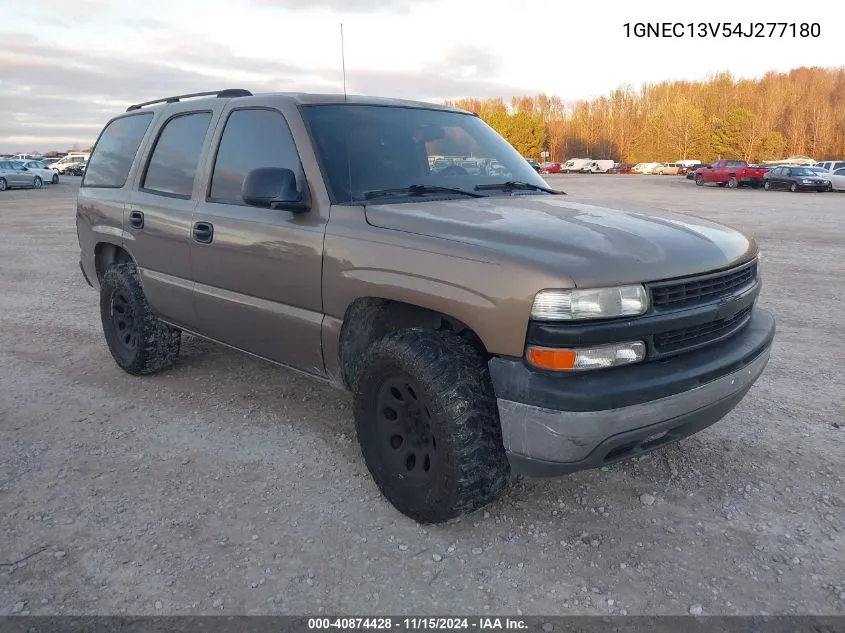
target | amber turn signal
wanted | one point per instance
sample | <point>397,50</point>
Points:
<point>599,357</point>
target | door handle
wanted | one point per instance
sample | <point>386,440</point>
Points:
<point>136,219</point>
<point>203,232</point>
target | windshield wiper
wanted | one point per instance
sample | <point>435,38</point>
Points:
<point>518,184</point>
<point>418,190</point>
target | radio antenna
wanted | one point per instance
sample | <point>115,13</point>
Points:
<point>343,61</point>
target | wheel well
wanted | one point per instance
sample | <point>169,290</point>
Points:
<point>106,255</point>
<point>368,319</point>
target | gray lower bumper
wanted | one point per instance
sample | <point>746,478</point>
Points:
<point>545,442</point>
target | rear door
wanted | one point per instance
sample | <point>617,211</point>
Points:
<point>258,271</point>
<point>158,215</point>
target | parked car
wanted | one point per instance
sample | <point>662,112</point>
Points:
<point>428,297</point>
<point>730,172</point>
<point>38,167</point>
<point>550,168</point>
<point>77,169</point>
<point>667,169</point>
<point>622,168</point>
<point>795,179</point>
<point>576,165</point>
<point>831,165</point>
<point>62,165</point>
<point>645,168</point>
<point>599,167</point>
<point>687,168</point>
<point>49,161</point>
<point>14,175</point>
<point>837,180</point>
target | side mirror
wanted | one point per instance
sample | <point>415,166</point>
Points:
<point>273,188</point>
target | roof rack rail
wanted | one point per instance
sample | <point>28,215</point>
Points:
<point>221,94</point>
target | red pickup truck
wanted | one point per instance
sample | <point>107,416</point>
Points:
<point>733,173</point>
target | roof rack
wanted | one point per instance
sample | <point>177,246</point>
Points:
<point>221,94</point>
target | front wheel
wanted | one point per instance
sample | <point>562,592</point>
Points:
<point>428,425</point>
<point>137,340</point>
<point>55,179</point>
<point>793,187</point>
<point>3,184</point>
<point>699,180</point>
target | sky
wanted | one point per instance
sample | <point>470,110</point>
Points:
<point>67,66</point>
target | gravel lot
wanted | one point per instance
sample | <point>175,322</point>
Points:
<point>232,486</point>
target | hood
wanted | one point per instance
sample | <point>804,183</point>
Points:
<point>590,245</point>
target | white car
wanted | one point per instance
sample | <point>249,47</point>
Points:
<point>68,161</point>
<point>837,180</point>
<point>40,169</point>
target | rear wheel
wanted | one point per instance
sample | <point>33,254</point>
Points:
<point>732,182</point>
<point>428,425</point>
<point>3,184</point>
<point>37,182</point>
<point>138,341</point>
<point>767,185</point>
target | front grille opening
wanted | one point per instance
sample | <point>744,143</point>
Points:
<point>690,292</point>
<point>696,335</point>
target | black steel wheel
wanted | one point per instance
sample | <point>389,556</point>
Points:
<point>55,179</point>
<point>404,421</point>
<point>124,324</point>
<point>138,341</point>
<point>428,425</point>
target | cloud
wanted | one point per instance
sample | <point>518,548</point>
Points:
<point>50,98</point>
<point>351,6</point>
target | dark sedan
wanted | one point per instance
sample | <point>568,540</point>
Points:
<point>794,179</point>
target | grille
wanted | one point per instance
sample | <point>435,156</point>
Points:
<point>697,290</point>
<point>692,336</point>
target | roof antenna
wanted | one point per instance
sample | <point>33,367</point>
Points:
<point>343,62</point>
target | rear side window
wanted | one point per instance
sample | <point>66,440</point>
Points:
<point>251,139</point>
<point>115,151</point>
<point>176,154</point>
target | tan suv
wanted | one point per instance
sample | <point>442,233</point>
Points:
<point>484,322</point>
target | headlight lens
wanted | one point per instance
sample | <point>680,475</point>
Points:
<point>585,358</point>
<point>596,303</point>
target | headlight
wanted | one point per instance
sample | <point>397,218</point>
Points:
<point>596,303</point>
<point>584,358</point>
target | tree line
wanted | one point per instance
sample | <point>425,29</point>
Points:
<point>801,112</point>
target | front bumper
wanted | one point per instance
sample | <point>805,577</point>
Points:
<point>554,424</point>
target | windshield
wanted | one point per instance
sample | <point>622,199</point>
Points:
<point>363,148</point>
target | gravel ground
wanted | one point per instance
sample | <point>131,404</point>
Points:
<point>232,486</point>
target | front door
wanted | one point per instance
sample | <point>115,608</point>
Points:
<point>258,271</point>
